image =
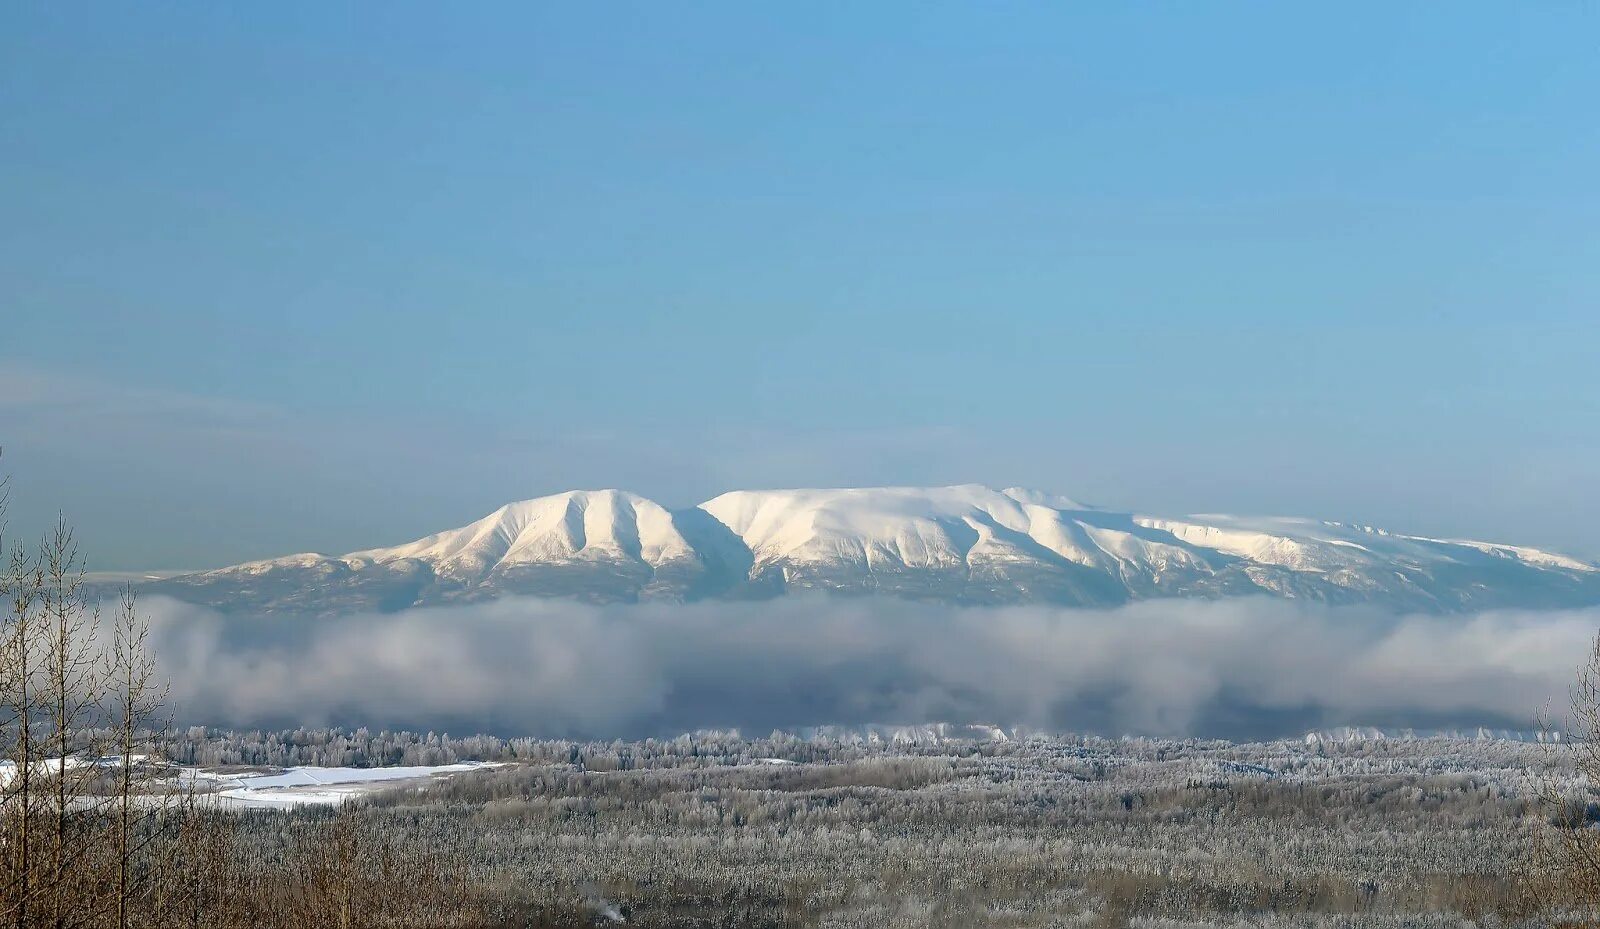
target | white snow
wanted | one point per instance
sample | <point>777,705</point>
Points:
<point>911,527</point>
<point>838,537</point>
<point>308,785</point>
<point>572,526</point>
<point>1532,556</point>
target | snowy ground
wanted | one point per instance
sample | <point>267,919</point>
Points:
<point>292,787</point>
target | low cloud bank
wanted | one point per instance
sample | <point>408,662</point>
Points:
<point>1240,668</point>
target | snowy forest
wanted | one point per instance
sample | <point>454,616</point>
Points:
<point>712,829</point>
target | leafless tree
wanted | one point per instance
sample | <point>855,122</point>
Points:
<point>133,698</point>
<point>70,697</point>
<point>24,582</point>
<point>94,836</point>
<point>1569,844</point>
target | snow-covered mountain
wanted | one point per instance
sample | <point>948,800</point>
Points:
<point>964,544</point>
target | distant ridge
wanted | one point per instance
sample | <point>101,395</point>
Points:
<point>964,544</point>
<point>1344,735</point>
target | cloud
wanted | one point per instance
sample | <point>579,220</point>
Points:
<point>1242,668</point>
<point>56,397</point>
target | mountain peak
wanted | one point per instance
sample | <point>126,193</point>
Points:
<point>963,543</point>
<point>1041,498</point>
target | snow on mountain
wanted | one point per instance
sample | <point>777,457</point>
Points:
<point>962,544</point>
<point>596,526</point>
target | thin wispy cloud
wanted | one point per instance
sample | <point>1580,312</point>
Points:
<point>56,397</point>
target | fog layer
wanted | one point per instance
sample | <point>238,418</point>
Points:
<point>1239,668</point>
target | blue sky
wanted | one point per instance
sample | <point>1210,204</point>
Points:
<point>317,278</point>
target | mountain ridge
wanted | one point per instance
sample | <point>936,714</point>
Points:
<point>962,543</point>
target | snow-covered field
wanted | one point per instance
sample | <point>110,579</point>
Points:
<point>291,787</point>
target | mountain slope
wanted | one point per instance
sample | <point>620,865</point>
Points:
<point>963,544</point>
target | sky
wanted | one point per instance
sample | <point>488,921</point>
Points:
<point>323,277</point>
